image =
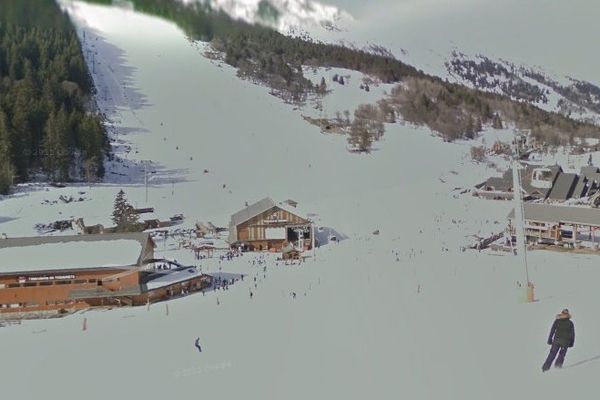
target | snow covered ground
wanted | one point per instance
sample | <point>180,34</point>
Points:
<point>402,314</point>
<point>522,32</point>
<point>283,15</point>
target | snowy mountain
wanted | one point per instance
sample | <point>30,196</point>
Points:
<point>287,16</point>
<point>401,314</point>
<point>575,98</point>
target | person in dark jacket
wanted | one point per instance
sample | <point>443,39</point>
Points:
<point>562,336</point>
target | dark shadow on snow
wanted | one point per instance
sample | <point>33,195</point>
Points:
<point>325,235</point>
<point>583,362</point>
<point>116,91</point>
<point>6,219</point>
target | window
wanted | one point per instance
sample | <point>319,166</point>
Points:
<point>13,285</point>
<point>79,281</point>
<point>46,283</point>
<point>30,284</point>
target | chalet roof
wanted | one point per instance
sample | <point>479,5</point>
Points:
<point>55,253</point>
<point>201,227</point>
<point>581,188</point>
<point>559,214</point>
<point>589,171</point>
<point>505,182</point>
<point>141,237</point>
<point>251,211</point>
<point>527,175</point>
<point>563,187</point>
<point>499,183</point>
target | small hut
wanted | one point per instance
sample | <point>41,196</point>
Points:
<point>207,249</point>
<point>289,252</point>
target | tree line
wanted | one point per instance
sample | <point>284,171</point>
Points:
<point>48,125</point>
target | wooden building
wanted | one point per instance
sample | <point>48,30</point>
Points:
<point>267,226</point>
<point>551,224</point>
<point>42,276</point>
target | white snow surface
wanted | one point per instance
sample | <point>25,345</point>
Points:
<point>292,14</point>
<point>427,323</point>
<point>70,255</point>
<point>173,277</point>
<point>424,33</point>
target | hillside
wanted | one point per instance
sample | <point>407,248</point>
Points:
<point>277,60</point>
<point>404,312</point>
<point>47,122</point>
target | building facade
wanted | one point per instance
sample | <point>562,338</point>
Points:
<point>552,224</point>
<point>42,276</point>
<point>269,226</point>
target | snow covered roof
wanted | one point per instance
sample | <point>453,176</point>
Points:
<point>505,182</point>
<point>171,278</point>
<point>559,214</point>
<point>52,253</point>
<point>252,211</point>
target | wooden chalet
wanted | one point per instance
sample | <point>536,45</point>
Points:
<point>267,226</point>
<point>205,229</point>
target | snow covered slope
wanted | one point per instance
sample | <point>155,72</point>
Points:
<point>558,36</point>
<point>284,15</point>
<point>464,41</point>
<point>401,314</point>
<point>544,47</point>
<point>575,98</point>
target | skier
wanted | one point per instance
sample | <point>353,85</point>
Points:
<point>197,344</point>
<point>562,336</point>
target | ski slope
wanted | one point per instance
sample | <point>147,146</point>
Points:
<point>430,322</point>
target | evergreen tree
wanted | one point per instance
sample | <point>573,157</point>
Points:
<point>470,128</point>
<point>124,216</point>
<point>56,149</point>
<point>6,168</point>
<point>322,88</point>
<point>478,125</point>
<point>497,122</point>
<point>44,96</point>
